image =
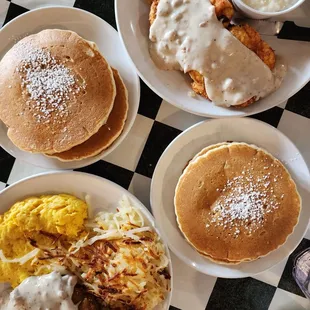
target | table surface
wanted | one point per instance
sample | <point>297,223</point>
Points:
<point>132,164</point>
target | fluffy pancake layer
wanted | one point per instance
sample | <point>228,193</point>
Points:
<point>108,133</point>
<point>56,91</point>
<point>236,202</point>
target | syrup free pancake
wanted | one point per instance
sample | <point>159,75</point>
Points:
<point>236,203</point>
<point>108,133</point>
<point>56,91</point>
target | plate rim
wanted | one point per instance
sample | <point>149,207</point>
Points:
<point>131,196</point>
<point>179,254</point>
<point>76,164</point>
<point>172,102</point>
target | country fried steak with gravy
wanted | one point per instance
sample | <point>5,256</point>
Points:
<point>248,36</point>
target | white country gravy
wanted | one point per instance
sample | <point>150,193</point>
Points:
<point>186,35</point>
<point>48,292</point>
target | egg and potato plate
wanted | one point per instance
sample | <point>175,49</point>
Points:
<point>119,261</point>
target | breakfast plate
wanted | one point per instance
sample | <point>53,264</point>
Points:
<point>102,195</point>
<point>92,28</point>
<point>183,149</point>
<point>174,87</point>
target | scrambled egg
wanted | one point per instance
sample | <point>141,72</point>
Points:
<point>56,214</point>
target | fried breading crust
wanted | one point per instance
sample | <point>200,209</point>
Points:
<point>252,40</point>
<point>223,10</point>
<point>244,33</point>
<point>198,84</point>
<point>153,11</point>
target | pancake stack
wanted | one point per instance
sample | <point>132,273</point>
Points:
<point>235,202</point>
<point>60,97</point>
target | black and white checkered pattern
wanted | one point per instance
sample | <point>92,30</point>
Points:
<point>132,165</point>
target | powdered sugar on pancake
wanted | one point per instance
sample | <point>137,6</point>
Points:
<point>244,202</point>
<point>49,84</point>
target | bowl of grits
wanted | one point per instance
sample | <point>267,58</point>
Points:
<point>261,9</point>
<point>82,242</point>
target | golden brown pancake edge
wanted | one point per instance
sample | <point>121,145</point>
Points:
<point>108,133</point>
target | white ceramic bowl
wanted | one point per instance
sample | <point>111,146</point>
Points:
<point>91,28</point>
<point>173,86</point>
<point>104,195</point>
<point>171,164</point>
<point>256,14</point>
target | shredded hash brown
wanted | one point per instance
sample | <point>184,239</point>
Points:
<point>118,259</point>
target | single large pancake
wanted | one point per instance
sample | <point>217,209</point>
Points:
<point>108,133</point>
<point>236,203</point>
<point>56,90</point>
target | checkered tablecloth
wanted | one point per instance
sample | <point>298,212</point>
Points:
<point>132,164</point>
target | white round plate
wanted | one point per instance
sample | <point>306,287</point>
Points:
<point>91,28</point>
<point>173,86</point>
<point>184,148</point>
<point>104,195</point>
